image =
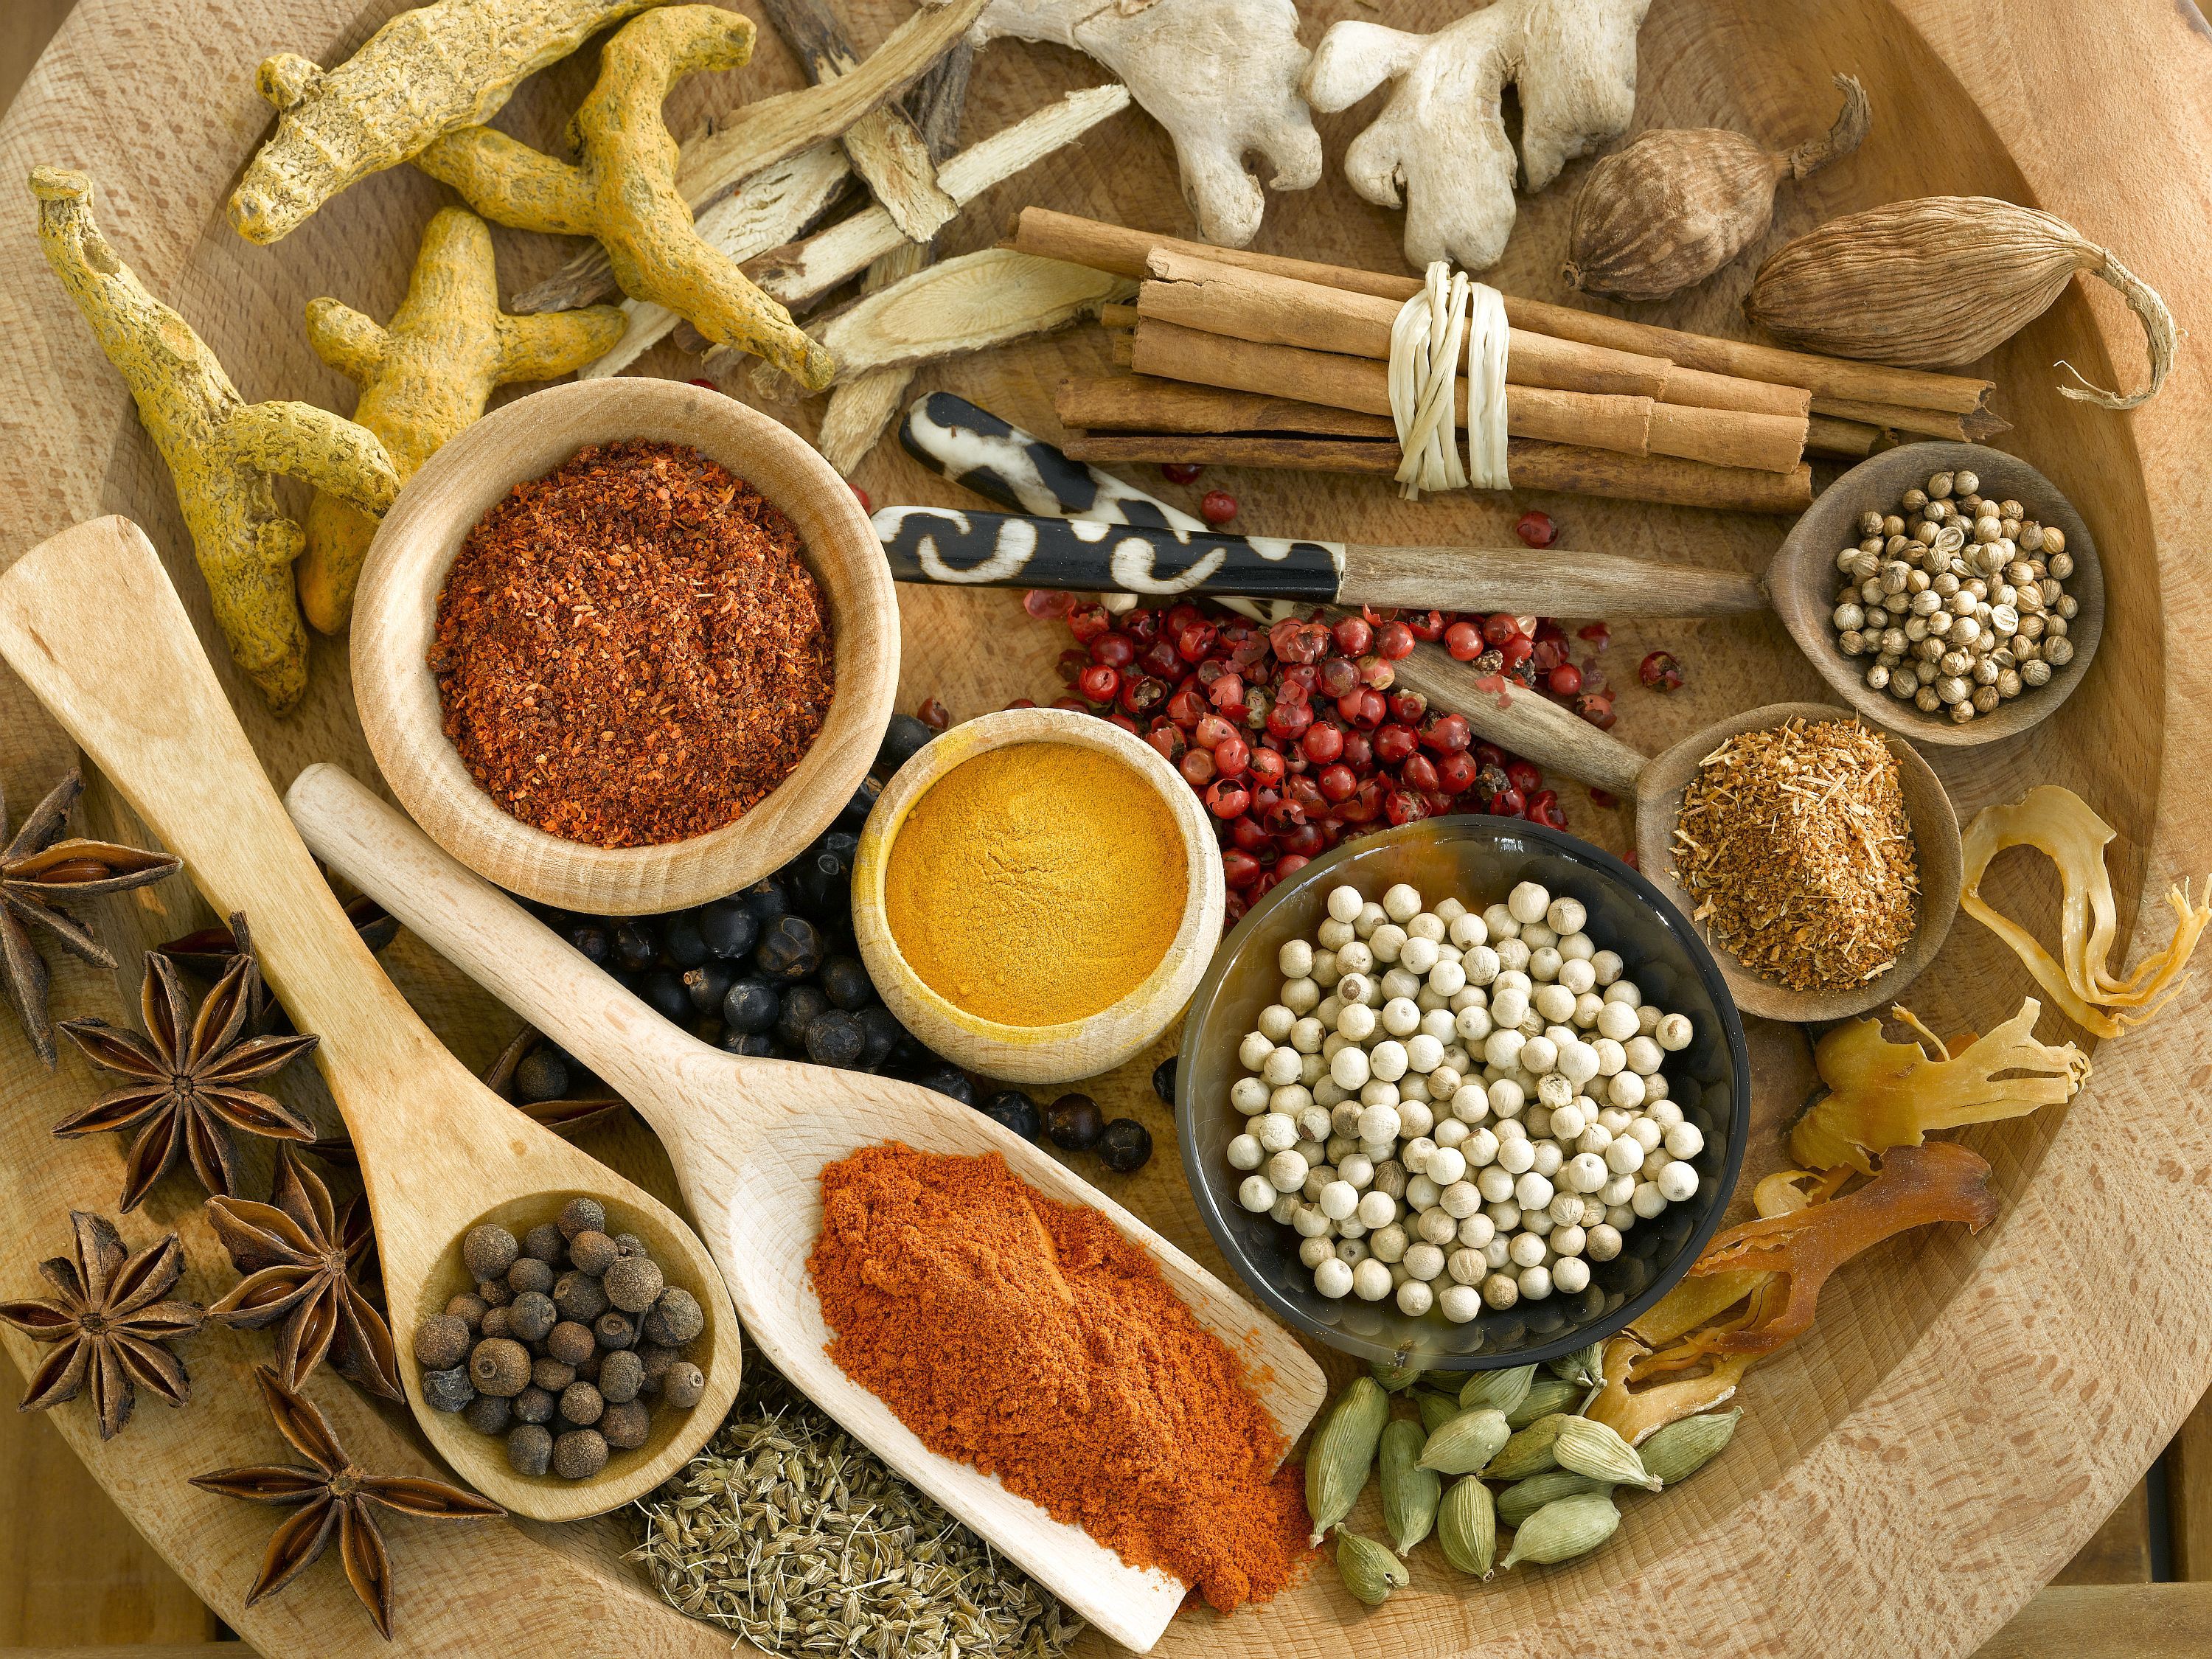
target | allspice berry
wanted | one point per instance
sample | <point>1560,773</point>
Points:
<point>579,1297</point>
<point>581,1404</point>
<point>493,1322</point>
<point>582,1215</point>
<point>621,1375</point>
<point>570,1343</point>
<point>625,1425</point>
<point>675,1319</point>
<point>683,1385</point>
<point>529,1449</point>
<point>442,1341</point>
<point>531,1315</point>
<point>496,1292</point>
<point>593,1253</point>
<point>615,1330</point>
<point>629,1244</point>
<point>656,1359</point>
<point>544,1242</point>
<point>489,1414</point>
<point>633,1283</point>
<point>550,1373</point>
<point>469,1308</point>
<point>534,1404</point>
<point>489,1251</point>
<point>529,1274</point>
<point>500,1365</point>
<point>579,1454</point>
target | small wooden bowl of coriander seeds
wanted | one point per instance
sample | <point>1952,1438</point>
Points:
<point>561,1336</point>
<point>1946,591</point>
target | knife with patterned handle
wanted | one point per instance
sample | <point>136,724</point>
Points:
<point>1124,541</point>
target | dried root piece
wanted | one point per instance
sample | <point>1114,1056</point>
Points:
<point>1673,207</point>
<point>968,304</point>
<point>1221,75</point>
<point>425,376</point>
<point>220,448</point>
<point>428,71</point>
<point>1440,148</point>
<point>1883,1094</point>
<point>1635,1415</point>
<point>2058,823</point>
<point>1939,1180</point>
<point>624,188</point>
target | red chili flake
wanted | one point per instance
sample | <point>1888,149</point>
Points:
<point>631,650</point>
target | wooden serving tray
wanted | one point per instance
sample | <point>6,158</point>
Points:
<point>1966,1410</point>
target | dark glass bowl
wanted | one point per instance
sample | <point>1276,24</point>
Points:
<point>1477,860</point>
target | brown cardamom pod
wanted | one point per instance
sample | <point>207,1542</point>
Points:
<point>1672,208</point>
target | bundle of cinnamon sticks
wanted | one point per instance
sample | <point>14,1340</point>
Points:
<point>1254,360</point>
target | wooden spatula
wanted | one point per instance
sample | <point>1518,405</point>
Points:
<point>91,624</point>
<point>749,1138</point>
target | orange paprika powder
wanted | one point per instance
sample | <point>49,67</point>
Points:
<point>1029,1338</point>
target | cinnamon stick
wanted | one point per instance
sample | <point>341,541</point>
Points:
<point>1127,253</point>
<point>1632,426</point>
<point>1143,403</point>
<point>1568,468</point>
<point>1827,435</point>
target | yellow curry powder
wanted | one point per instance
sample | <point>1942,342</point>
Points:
<point>1035,885</point>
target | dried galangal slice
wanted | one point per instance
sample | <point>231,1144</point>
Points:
<point>1939,1180</point>
<point>1883,1094</point>
<point>2059,822</point>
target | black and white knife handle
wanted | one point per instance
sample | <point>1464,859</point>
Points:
<point>1022,472</point>
<point>1087,556</point>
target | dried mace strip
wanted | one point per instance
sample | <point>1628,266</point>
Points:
<point>791,1533</point>
<point>631,649</point>
<point>1794,845</point>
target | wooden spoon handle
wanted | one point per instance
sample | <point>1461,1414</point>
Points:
<point>496,942</point>
<point>90,621</point>
<point>1547,732</point>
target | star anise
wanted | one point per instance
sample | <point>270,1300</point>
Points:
<point>208,952</point>
<point>187,1090</point>
<point>108,1324</point>
<point>298,1261</point>
<point>335,1497</point>
<point>563,1116</point>
<point>37,874</point>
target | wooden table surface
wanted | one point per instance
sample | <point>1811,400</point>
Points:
<point>77,1579</point>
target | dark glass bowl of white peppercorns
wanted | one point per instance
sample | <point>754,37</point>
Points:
<point>774,971</point>
<point>567,1343</point>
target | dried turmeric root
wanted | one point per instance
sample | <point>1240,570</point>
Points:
<point>427,72</point>
<point>220,448</point>
<point>426,374</point>
<point>623,189</point>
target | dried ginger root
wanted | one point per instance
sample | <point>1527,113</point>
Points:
<point>427,72</point>
<point>2059,822</point>
<point>1938,1181</point>
<point>425,376</point>
<point>624,188</point>
<point>220,448</point>
<point>1883,1094</point>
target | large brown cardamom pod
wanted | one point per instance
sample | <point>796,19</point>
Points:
<point>1942,279</point>
<point>1674,206</point>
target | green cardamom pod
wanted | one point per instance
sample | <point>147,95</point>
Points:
<point>1343,1452</point>
<point>1370,1571</point>
<point>1595,1449</point>
<point>1467,1527</point>
<point>1680,1449</point>
<point>1409,1491</point>
<point>1584,1367</point>
<point>1394,1378</point>
<point>1528,1452</point>
<point>1437,1409</point>
<point>1524,1498</point>
<point>1467,1443</point>
<point>1564,1529</point>
<point>1546,1395</point>
<point>1502,1391</point>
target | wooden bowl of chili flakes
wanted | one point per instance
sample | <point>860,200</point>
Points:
<point>624,645</point>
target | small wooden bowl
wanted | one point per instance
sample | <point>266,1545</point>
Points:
<point>1802,581</point>
<point>1040,1054</point>
<point>395,619</point>
<point>1659,792</point>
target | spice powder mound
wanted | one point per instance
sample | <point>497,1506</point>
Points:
<point>631,649</point>
<point>1029,1338</point>
<point>1795,846</point>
